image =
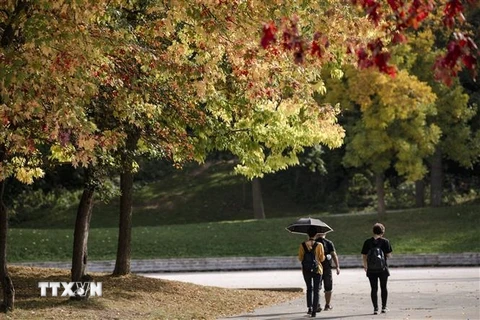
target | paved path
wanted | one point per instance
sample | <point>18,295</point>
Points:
<point>414,293</point>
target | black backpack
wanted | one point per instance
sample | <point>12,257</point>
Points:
<point>309,263</point>
<point>376,259</point>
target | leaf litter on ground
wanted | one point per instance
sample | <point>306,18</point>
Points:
<point>134,297</point>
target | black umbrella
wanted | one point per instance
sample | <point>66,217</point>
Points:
<point>303,224</point>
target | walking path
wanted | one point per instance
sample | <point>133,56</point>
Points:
<point>450,290</point>
<point>414,293</point>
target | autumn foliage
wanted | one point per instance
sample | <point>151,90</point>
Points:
<point>391,18</point>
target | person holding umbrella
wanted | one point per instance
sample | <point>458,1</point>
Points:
<point>327,277</point>
<point>313,277</point>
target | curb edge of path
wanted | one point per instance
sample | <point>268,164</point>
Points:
<point>466,259</point>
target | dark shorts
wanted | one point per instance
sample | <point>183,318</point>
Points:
<point>327,278</point>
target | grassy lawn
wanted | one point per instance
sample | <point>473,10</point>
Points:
<point>206,212</point>
<point>429,230</point>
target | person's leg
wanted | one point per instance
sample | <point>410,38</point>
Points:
<point>328,286</point>
<point>328,298</point>
<point>308,282</point>
<point>374,289</point>
<point>317,279</point>
<point>384,291</point>
<point>319,305</point>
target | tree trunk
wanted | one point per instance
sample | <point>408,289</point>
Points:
<point>419,194</point>
<point>82,227</point>
<point>245,203</point>
<point>436,179</point>
<point>6,39</point>
<point>258,211</point>
<point>124,248</point>
<point>380,186</point>
<point>5,280</point>
<point>296,179</point>
<point>122,264</point>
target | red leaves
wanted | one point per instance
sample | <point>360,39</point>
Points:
<point>319,44</point>
<point>396,18</point>
<point>316,49</point>
<point>399,38</point>
<point>453,8</point>
<point>410,14</point>
<point>269,31</point>
<point>292,41</point>
<point>64,138</point>
<point>372,8</point>
<point>63,61</point>
<point>461,50</point>
<point>378,59</point>
<point>469,61</point>
<point>381,62</point>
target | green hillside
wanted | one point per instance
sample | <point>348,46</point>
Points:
<point>196,194</point>
<point>206,212</point>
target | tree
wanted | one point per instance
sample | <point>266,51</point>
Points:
<point>47,54</point>
<point>392,129</point>
<point>453,110</point>
<point>185,95</point>
<point>5,279</point>
<point>258,211</point>
<point>82,229</point>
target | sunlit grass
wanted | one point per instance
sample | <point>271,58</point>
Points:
<point>431,230</point>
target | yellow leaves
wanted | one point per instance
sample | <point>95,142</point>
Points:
<point>61,154</point>
<point>320,87</point>
<point>336,73</point>
<point>393,125</point>
<point>25,170</point>
<point>27,175</point>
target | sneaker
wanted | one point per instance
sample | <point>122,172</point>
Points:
<point>328,307</point>
<point>375,311</point>
<point>384,309</point>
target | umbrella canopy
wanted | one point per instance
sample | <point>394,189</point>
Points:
<point>303,224</point>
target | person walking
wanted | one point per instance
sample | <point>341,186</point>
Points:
<point>327,277</point>
<point>312,275</point>
<point>375,252</point>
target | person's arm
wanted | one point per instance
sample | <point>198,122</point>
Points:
<point>365,248</point>
<point>300,253</point>
<point>335,260</point>
<point>389,250</point>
